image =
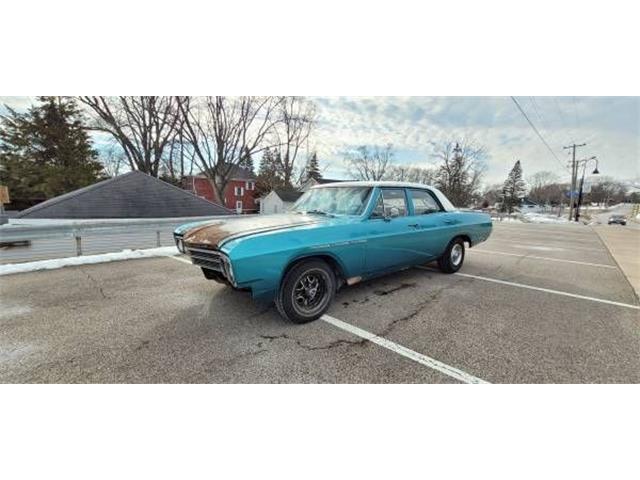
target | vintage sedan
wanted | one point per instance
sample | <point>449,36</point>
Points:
<point>336,234</point>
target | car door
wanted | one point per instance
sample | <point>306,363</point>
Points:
<point>433,226</point>
<point>390,243</point>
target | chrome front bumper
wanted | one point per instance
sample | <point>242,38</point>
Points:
<point>212,260</point>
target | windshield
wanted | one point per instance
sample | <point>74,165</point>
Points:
<point>334,201</point>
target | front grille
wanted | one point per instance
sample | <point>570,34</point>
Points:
<point>210,259</point>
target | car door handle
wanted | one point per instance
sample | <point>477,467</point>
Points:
<point>449,221</point>
<point>415,225</point>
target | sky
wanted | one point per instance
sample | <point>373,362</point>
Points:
<point>609,125</point>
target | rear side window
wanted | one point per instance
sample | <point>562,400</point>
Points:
<point>423,202</point>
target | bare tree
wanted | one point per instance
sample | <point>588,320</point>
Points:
<point>369,163</point>
<point>403,173</point>
<point>112,158</point>
<point>222,130</point>
<point>296,117</point>
<point>178,160</point>
<point>143,126</point>
<point>542,179</point>
<point>460,170</point>
<point>542,187</point>
<point>607,190</point>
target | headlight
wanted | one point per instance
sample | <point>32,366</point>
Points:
<point>228,269</point>
<point>180,244</point>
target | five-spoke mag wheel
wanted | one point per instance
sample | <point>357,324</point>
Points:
<point>306,291</point>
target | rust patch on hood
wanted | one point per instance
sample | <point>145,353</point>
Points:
<point>213,235</point>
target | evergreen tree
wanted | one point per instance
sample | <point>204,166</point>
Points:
<point>458,176</point>
<point>312,169</point>
<point>246,161</point>
<point>514,189</point>
<point>269,176</point>
<point>46,151</point>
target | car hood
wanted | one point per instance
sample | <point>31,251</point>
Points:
<point>215,234</point>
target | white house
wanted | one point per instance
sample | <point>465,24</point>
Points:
<point>278,201</point>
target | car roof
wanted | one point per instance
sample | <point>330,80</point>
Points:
<point>446,204</point>
<point>369,183</point>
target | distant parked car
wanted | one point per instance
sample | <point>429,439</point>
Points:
<point>619,219</point>
<point>336,234</point>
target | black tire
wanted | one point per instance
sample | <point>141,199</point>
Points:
<point>306,292</point>
<point>453,257</point>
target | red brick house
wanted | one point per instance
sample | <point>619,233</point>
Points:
<point>238,195</point>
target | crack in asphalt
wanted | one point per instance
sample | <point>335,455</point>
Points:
<point>335,343</point>
<point>385,331</point>
<point>96,284</point>
<point>394,289</point>
<point>409,316</point>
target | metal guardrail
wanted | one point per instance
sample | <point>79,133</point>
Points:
<point>34,240</point>
<point>28,231</point>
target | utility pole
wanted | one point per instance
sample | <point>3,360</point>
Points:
<point>574,176</point>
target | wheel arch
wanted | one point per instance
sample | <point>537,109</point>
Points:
<point>465,238</point>
<point>333,262</point>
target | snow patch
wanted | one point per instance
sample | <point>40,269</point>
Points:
<point>13,352</point>
<point>10,311</point>
<point>87,260</point>
<point>543,218</point>
<point>507,220</point>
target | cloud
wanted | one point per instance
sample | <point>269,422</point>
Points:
<point>609,125</point>
<point>17,103</point>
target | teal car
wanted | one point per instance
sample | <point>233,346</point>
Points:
<point>335,235</point>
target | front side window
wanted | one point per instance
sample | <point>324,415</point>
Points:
<point>394,199</point>
<point>423,202</point>
<point>334,200</point>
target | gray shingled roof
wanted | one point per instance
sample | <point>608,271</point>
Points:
<point>288,195</point>
<point>132,195</point>
<point>322,181</point>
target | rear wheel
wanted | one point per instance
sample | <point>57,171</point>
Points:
<point>306,291</point>
<point>453,257</point>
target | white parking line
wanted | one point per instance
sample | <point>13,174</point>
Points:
<point>537,246</point>
<point>539,289</point>
<point>493,252</point>
<point>399,349</point>
<point>404,351</point>
<point>509,241</point>
<point>183,260</point>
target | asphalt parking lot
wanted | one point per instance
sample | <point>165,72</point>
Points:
<point>534,304</point>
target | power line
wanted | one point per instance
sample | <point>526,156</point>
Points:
<point>565,124</point>
<point>545,126</point>
<point>538,133</point>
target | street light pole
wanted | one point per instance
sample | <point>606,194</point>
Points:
<point>584,168</point>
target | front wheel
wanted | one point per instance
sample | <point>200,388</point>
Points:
<point>306,291</point>
<point>453,257</point>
